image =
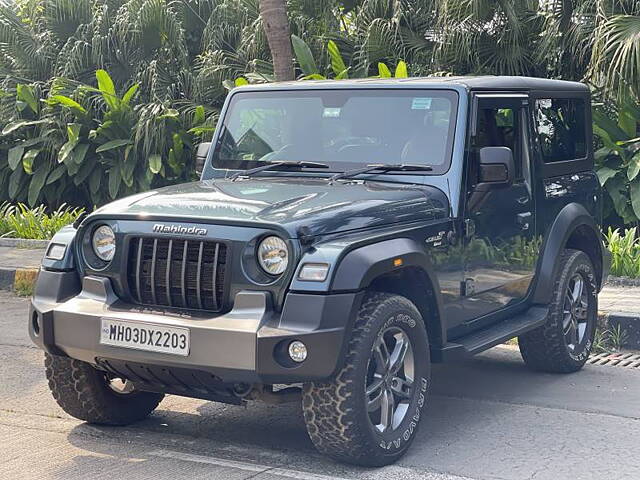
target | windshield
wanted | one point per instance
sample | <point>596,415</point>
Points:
<point>341,128</point>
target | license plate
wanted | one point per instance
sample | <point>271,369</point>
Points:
<point>145,336</point>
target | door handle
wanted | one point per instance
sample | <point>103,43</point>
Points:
<point>524,220</point>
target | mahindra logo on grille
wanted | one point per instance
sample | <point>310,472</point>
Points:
<point>160,228</point>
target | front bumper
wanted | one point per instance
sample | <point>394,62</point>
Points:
<point>248,344</point>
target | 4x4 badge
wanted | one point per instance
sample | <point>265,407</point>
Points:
<point>161,228</point>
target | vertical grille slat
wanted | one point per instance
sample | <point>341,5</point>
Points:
<point>199,276</point>
<point>138,268</point>
<point>213,276</point>
<point>183,275</point>
<point>177,273</point>
<point>168,273</point>
<point>153,272</point>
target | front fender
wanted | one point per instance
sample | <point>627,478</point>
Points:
<point>361,266</point>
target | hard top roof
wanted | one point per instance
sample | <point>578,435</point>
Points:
<point>469,82</point>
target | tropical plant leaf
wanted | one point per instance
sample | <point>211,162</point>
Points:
<point>80,152</point>
<point>401,70</point>
<point>314,76</point>
<point>129,94</point>
<point>304,56</point>
<point>198,115</point>
<point>383,70</point>
<point>155,163</point>
<point>337,62</point>
<point>67,102</point>
<point>73,132</point>
<point>12,127</point>
<point>37,182</point>
<point>108,90</point>
<point>634,166</point>
<point>26,94</point>
<point>634,190</point>
<point>110,145</point>
<point>57,173</point>
<point>114,181</point>
<point>65,151</point>
<point>95,180</point>
<point>15,181</point>
<point>27,160</point>
<point>14,155</point>
<point>605,173</point>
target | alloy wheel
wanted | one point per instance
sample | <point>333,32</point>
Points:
<point>390,379</point>
<point>575,312</point>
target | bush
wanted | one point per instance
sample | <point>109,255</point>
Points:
<point>625,252</point>
<point>19,221</point>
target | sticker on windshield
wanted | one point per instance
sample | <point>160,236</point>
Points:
<point>421,103</point>
<point>331,112</point>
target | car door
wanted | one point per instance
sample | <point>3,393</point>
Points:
<point>500,247</point>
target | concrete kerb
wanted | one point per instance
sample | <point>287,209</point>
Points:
<point>23,243</point>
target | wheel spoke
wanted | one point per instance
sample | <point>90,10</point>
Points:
<point>401,387</point>
<point>572,335</point>
<point>567,322</point>
<point>375,385</point>
<point>387,409</point>
<point>381,355</point>
<point>398,355</point>
<point>576,292</point>
<point>374,404</point>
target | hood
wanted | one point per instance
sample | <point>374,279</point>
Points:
<point>287,202</point>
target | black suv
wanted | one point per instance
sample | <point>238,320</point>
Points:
<point>343,237</point>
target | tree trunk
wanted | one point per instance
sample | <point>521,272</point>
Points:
<point>276,26</point>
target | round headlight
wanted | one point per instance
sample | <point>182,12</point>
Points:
<point>273,255</point>
<point>104,243</point>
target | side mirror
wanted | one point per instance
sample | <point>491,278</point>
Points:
<point>496,167</point>
<point>201,156</point>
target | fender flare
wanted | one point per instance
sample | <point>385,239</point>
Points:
<point>571,217</point>
<point>361,266</point>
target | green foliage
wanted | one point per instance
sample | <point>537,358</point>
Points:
<point>69,134</point>
<point>19,221</point>
<point>625,252</point>
<point>618,159</point>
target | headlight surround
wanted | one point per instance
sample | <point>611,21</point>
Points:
<point>273,255</point>
<point>103,242</point>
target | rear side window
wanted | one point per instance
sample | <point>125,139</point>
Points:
<point>560,126</point>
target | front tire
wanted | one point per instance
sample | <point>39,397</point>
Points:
<point>91,395</point>
<point>368,415</point>
<point>563,344</point>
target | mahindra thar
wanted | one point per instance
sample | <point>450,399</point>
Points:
<point>344,236</point>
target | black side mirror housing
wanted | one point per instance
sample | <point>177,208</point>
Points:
<point>496,167</point>
<point>201,156</point>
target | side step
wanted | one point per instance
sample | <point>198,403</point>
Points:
<point>482,340</point>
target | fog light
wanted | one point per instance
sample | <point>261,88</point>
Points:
<point>298,351</point>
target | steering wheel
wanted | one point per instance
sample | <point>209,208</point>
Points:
<point>272,156</point>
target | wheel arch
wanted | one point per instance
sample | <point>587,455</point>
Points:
<point>574,227</point>
<point>398,266</point>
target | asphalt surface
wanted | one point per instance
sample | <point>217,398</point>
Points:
<point>488,418</point>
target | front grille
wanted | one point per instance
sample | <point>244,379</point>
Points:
<point>177,273</point>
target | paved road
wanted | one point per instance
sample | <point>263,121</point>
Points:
<point>488,419</point>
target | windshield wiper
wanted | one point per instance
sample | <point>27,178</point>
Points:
<point>285,164</point>
<point>383,167</point>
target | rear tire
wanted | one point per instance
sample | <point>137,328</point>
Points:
<point>368,415</point>
<point>89,394</point>
<point>563,344</point>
